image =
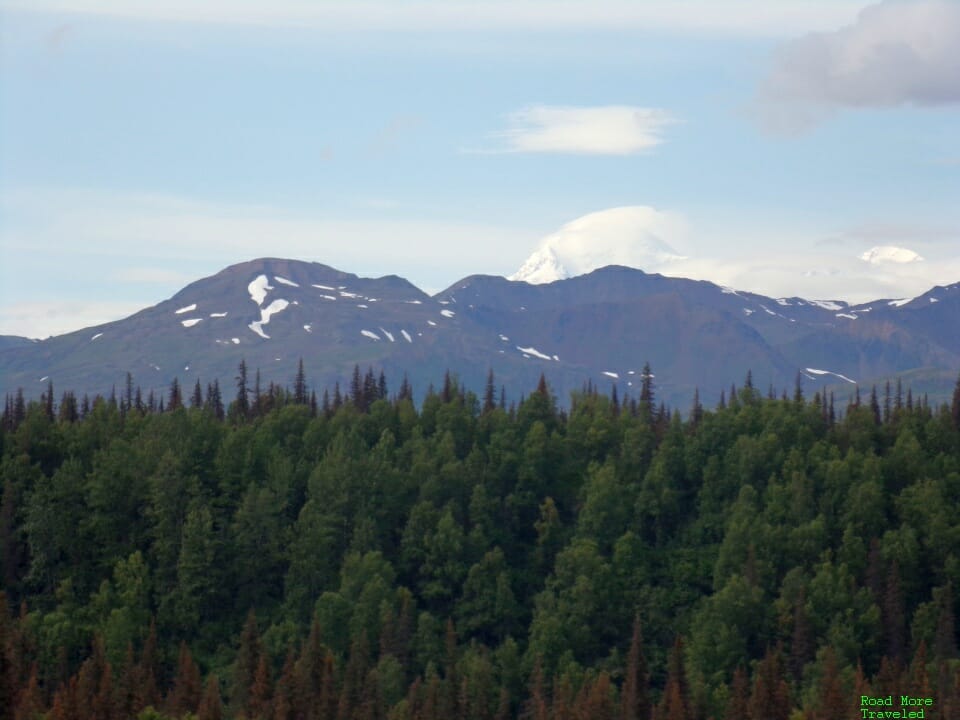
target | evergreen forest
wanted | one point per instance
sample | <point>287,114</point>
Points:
<point>267,554</point>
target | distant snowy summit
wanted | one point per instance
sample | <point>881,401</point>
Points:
<point>628,236</point>
<point>890,254</point>
<point>541,267</point>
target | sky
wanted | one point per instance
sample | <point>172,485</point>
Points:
<point>145,144</point>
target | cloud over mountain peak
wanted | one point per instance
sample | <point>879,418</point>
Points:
<point>633,236</point>
<point>883,254</point>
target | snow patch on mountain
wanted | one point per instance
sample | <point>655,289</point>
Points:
<point>828,372</point>
<point>634,236</point>
<point>191,322</point>
<point>370,334</point>
<point>223,314</point>
<point>827,304</point>
<point>265,313</point>
<point>611,374</point>
<point>258,289</point>
<point>406,336</point>
<point>900,303</point>
<point>188,308</point>
<point>284,281</point>
<point>96,336</point>
<point>447,313</point>
<point>883,254</point>
<point>533,351</point>
<point>388,334</point>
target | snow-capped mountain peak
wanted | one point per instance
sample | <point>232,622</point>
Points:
<point>540,268</point>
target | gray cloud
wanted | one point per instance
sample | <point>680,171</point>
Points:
<point>898,52</point>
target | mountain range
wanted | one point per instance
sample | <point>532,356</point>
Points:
<point>600,327</point>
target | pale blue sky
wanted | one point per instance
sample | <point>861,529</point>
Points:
<point>146,144</point>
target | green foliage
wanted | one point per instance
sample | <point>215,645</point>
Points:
<point>540,535</point>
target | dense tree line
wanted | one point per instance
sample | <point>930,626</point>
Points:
<point>278,556</point>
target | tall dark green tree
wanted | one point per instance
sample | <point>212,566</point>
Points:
<point>300,385</point>
<point>242,402</point>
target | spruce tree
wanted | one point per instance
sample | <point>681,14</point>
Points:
<point>257,406</point>
<point>770,699</point>
<point>146,692</point>
<point>300,385</point>
<point>738,703</point>
<point>635,699</point>
<point>30,705</point>
<point>406,392</point>
<point>20,409</point>
<point>128,392</point>
<point>832,700</point>
<point>696,411</point>
<point>370,391</point>
<point>211,706</point>
<point>242,402</point>
<point>196,400</point>
<point>187,687</point>
<point>945,647</point>
<point>9,672</point>
<point>175,400</point>
<point>887,403</point>
<point>675,702</point>
<point>258,703</point>
<point>356,389</point>
<point>893,612</point>
<point>246,663</point>
<point>48,400</point>
<point>955,405</point>
<point>874,405</point>
<point>489,392</point>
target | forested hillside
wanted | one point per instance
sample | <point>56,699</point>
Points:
<point>277,556</point>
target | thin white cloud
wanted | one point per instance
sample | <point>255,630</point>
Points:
<point>738,17</point>
<point>152,276</point>
<point>819,276</point>
<point>652,240</point>
<point>604,130</point>
<point>98,233</point>
<point>896,53</point>
<point>42,319</point>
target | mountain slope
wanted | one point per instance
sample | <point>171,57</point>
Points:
<point>599,327</point>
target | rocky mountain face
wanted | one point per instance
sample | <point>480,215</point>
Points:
<point>600,327</point>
